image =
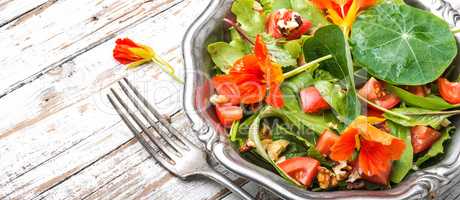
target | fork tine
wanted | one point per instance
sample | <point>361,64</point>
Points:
<point>157,115</point>
<point>173,155</point>
<point>155,126</point>
<point>139,137</point>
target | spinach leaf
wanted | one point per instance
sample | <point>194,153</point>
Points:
<point>280,132</point>
<point>434,121</point>
<point>317,123</point>
<point>437,148</point>
<point>402,45</point>
<point>330,40</point>
<point>250,20</point>
<point>310,12</point>
<point>402,166</point>
<point>428,102</point>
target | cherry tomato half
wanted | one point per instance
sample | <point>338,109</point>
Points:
<point>422,137</point>
<point>326,140</point>
<point>450,91</point>
<point>311,100</point>
<point>227,114</point>
<point>302,169</point>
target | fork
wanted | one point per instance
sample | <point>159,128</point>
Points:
<point>178,154</point>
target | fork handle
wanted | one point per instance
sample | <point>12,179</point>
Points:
<point>223,180</point>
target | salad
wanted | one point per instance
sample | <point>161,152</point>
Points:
<point>336,94</point>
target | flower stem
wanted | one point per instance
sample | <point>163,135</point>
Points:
<point>166,67</point>
<point>455,30</point>
<point>239,30</point>
<point>383,109</point>
<point>306,66</point>
<point>451,112</point>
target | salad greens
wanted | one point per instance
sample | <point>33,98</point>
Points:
<point>286,89</point>
<point>402,45</point>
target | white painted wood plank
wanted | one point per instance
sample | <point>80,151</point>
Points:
<point>65,110</point>
<point>80,80</point>
<point>38,43</point>
<point>12,9</point>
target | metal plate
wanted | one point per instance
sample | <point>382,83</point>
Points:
<point>208,28</point>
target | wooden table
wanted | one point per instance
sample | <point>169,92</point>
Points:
<point>59,137</point>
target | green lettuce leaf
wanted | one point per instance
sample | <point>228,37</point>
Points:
<point>329,40</point>
<point>224,55</point>
<point>437,148</point>
<point>251,21</point>
<point>402,45</point>
<point>402,166</point>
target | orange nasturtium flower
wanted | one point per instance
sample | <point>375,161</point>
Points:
<point>343,12</point>
<point>129,53</point>
<point>250,77</point>
<point>377,149</point>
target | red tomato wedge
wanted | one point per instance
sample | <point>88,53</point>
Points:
<point>388,101</point>
<point>418,90</point>
<point>450,91</point>
<point>227,114</point>
<point>302,169</point>
<point>374,91</point>
<point>326,140</point>
<point>311,100</point>
<point>423,137</point>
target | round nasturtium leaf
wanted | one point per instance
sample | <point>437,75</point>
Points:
<point>402,45</point>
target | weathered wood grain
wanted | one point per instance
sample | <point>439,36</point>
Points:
<point>13,9</point>
<point>63,31</point>
<point>79,80</point>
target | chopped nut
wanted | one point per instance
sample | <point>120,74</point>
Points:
<point>326,178</point>
<point>247,146</point>
<point>353,176</point>
<point>275,148</point>
<point>219,99</point>
<point>342,170</point>
<point>265,131</point>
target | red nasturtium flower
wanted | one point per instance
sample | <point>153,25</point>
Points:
<point>376,148</point>
<point>250,78</point>
<point>343,12</point>
<point>132,54</point>
<point>129,53</point>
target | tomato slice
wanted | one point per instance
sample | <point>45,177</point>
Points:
<point>423,137</point>
<point>326,140</point>
<point>374,91</point>
<point>311,100</point>
<point>450,91</point>
<point>388,101</point>
<point>227,114</point>
<point>418,90</point>
<point>284,16</point>
<point>302,169</point>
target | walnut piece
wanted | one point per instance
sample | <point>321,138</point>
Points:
<point>219,99</point>
<point>275,148</point>
<point>326,178</point>
<point>342,170</point>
